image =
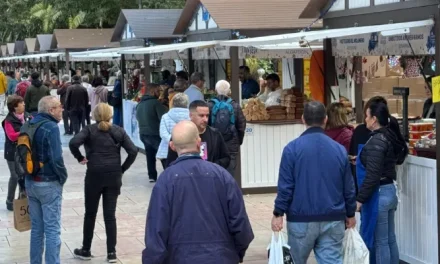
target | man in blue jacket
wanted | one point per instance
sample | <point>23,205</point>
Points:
<point>196,212</point>
<point>45,190</point>
<point>315,191</point>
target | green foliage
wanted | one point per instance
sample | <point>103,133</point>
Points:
<point>27,18</point>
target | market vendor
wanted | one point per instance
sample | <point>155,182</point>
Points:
<point>272,96</point>
<point>428,106</point>
<point>249,87</point>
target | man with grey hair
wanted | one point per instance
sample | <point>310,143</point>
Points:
<point>316,192</point>
<point>227,117</point>
<point>45,189</point>
<point>197,84</point>
<point>179,111</point>
<point>62,92</point>
<point>206,202</point>
<point>86,84</point>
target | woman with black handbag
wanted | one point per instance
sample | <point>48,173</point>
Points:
<point>102,143</point>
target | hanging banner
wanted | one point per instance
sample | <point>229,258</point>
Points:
<point>252,52</point>
<point>422,40</point>
<point>131,125</point>
<point>211,53</point>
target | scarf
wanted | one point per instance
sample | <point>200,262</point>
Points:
<point>20,117</point>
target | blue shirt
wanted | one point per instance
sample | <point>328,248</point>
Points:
<point>194,93</point>
<point>249,88</point>
<point>315,183</point>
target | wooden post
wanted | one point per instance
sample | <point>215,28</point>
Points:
<point>357,67</point>
<point>437,118</point>
<point>191,62</point>
<point>147,69</point>
<point>67,62</point>
<point>236,95</point>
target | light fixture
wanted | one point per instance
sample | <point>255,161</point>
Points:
<point>399,31</point>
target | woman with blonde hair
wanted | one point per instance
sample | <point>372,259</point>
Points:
<point>102,142</point>
<point>337,125</point>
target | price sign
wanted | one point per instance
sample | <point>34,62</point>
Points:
<point>436,89</point>
<point>249,131</point>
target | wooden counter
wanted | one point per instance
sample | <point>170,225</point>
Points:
<point>261,151</point>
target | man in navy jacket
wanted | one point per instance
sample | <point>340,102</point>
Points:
<point>315,191</point>
<point>196,212</point>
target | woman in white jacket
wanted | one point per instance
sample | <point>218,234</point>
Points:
<point>179,111</point>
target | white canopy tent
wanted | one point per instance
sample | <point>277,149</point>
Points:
<point>33,56</point>
<point>309,36</point>
<point>177,47</point>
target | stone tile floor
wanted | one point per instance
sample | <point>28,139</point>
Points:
<point>131,216</point>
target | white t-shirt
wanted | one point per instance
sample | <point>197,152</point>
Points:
<point>274,98</point>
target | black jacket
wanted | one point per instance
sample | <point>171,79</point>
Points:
<point>240,124</point>
<point>217,151</point>
<point>77,98</point>
<point>380,156</point>
<point>10,146</point>
<point>103,152</point>
<point>62,92</point>
<point>426,106</point>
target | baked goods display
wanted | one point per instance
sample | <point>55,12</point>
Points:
<point>293,101</point>
<point>255,110</point>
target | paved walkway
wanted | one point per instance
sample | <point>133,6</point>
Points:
<point>130,213</point>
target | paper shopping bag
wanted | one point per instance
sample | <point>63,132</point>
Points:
<point>22,219</point>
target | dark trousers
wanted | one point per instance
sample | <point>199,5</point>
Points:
<point>67,126</point>
<point>77,119</point>
<point>232,164</point>
<point>88,111</point>
<point>13,181</point>
<point>109,199</point>
<point>151,144</point>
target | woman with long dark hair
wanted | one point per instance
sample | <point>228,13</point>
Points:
<point>376,173</point>
<point>102,142</point>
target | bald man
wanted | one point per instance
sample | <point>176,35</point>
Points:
<point>196,212</point>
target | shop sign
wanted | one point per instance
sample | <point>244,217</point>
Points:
<point>436,89</point>
<point>249,131</point>
<point>422,40</point>
<point>252,52</point>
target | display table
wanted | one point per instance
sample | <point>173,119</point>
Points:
<point>262,149</point>
<point>416,217</point>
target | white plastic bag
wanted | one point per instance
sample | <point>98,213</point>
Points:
<point>354,250</point>
<point>279,250</point>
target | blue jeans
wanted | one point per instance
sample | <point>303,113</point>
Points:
<point>324,238</point>
<point>45,211</point>
<point>385,242</point>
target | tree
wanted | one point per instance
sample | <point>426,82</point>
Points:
<point>47,15</point>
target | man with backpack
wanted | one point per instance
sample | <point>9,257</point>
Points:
<point>39,159</point>
<point>227,117</point>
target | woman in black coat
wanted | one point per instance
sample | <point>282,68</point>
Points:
<point>102,143</point>
<point>377,190</point>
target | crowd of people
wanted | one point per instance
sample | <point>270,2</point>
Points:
<point>196,205</point>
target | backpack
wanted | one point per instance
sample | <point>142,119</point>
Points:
<point>223,118</point>
<point>26,157</point>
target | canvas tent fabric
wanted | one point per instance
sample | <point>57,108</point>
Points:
<point>45,42</point>
<point>84,38</point>
<point>247,14</point>
<point>147,23</point>
<point>11,48</point>
<point>20,47</point>
<point>30,44</point>
<point>310,36</point>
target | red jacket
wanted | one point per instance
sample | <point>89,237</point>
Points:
<point>342,135</point>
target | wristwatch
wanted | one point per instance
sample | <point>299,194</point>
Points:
<point>277,214</point>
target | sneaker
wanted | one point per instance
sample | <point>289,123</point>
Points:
<point>111,258</point>
<point>82,254</point>
<point>9,206</point>
<point>152,180</point>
